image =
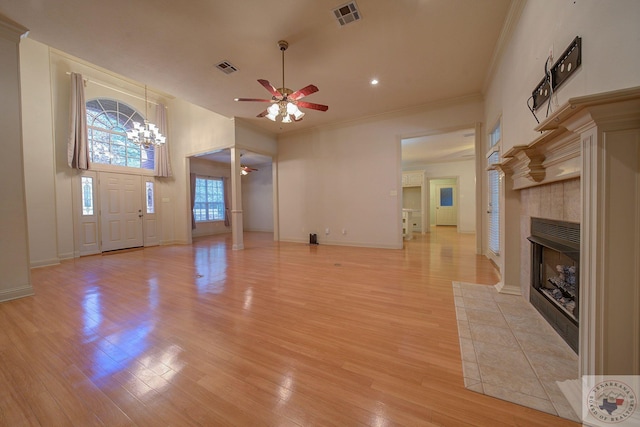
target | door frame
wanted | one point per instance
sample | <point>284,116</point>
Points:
<point>83,224</point>
<point>428,196</point>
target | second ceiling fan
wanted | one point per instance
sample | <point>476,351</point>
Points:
<point>284,101</point>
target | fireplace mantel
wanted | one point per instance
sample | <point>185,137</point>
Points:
<point>555,155</point>
<point>595,138</point>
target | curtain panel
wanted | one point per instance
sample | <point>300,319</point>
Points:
<point>162,167</point>
<point>227,217</point>
<point>192,181</point>
<point>77,144</point>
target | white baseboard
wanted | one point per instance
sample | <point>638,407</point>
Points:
<point>15,293</point>
<point>44,263</point>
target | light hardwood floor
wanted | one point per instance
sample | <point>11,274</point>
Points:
<point>279,334</point>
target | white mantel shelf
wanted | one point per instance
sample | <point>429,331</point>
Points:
<point>556,154</point>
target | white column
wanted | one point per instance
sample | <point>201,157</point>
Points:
<point>236,201</point>
<point>15,277</point>
<point>510,232</point>
<point>610,239</point>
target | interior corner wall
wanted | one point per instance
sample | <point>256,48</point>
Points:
<point>15,277</point>
<point>257,199</point>
<point>348,177</point>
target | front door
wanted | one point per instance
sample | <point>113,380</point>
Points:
<point>121,206</point>
<point>446,211</point>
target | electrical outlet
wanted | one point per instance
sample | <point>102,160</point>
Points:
<point>326,231</point>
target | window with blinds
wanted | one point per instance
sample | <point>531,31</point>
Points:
<point>494,206</point>
<point>493,209</point>
<point>209,200</point>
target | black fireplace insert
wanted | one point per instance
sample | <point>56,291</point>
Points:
<point>555,275</point>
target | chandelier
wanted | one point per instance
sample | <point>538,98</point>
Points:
<point>146,134</point>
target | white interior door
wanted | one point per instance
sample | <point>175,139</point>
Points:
<point>121,209</point>
<point>446,209</point>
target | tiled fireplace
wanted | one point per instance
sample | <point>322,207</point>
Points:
<point>583,168</point>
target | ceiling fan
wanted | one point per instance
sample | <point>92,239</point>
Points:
<point>284,101</point>
<point>245,170</point>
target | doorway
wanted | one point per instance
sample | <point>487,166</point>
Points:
<point>117,211</point>
<point>446,208</point>
<point>443,204</point>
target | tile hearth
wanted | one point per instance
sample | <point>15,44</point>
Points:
<point>510,352</point>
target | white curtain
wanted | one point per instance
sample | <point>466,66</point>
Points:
<point>162,166</point>
<point>77,144</point>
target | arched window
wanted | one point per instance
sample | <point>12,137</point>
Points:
<point>108,121</point>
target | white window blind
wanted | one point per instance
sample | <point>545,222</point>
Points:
<point>209,200</point>
<point>494,205</point>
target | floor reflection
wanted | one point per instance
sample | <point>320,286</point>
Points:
<point>210,264</point>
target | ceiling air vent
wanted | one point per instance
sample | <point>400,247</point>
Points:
<point>347,13</point>
<point>226,67</point>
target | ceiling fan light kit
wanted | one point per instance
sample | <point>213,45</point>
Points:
<point>285,103</point>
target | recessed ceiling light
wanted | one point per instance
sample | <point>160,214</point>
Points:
<point>374,81</point>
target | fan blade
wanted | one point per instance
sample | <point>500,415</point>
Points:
<point>312,106</point>
<point>268,86</point>
<point>264,113</point>
<point>305,91</point>
<point>253,99</point>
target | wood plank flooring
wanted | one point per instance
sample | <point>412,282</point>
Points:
<point>279,334</point>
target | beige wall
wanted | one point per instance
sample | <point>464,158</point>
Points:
<point>38,152</point>
<point>348,176</point>
<point>609,31</point>
<point>15,278</point>
<point>257,199</point>
<point>610,34</point>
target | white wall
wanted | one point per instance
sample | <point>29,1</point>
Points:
<point>610,39</point>
<point>15,278</point>
<point>610,60</point>
<point>37,132</point>
<point>348,176</point>
<point>257,199</point>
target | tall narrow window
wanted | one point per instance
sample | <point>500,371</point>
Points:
<point>493,157</point>
<point>149,197</point>
<point>87,195</point>
<point>209,200</point>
